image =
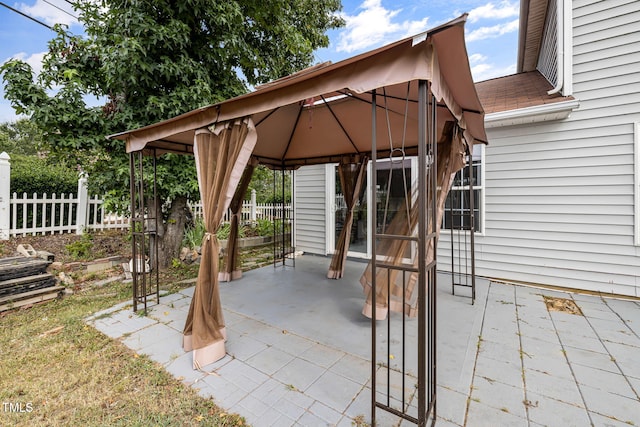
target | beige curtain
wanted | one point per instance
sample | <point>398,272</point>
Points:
<point>351,172</point>
<point>221,152</point>
<point>391,284</point>
<point>231,269</point>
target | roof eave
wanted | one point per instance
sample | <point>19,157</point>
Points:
<point>539,113</point>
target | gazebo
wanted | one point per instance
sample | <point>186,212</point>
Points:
<point>414,97</point>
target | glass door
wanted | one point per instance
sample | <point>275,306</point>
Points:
<point>358,240</point>
<point>395,182</point>
<point>392,176</point>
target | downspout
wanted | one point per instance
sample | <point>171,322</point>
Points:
<point>560,52</point>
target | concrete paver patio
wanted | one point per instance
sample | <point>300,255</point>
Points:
<point>298,352</point>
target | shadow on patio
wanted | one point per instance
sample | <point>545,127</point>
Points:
<point>299,352</point>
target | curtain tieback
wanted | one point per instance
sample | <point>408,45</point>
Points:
<point>208,235</point>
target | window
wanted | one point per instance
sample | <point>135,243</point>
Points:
<point>457,208</point>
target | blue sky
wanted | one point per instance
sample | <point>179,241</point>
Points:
<point>491,31</point>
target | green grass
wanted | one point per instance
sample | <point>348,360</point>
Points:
<point>68,373</point>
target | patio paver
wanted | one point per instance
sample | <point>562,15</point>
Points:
<point>299,348</point>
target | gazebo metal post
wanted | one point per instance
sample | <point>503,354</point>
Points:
<point>292,220</point>
<point>472,226</point>
<point>463,254</point>
<point>274,222</point>
<point>144,229</point>
<point>374,221</point>
<point>282,221</point>
<point>427,237</point>
<point>426,273</point>
<point>284,247</point>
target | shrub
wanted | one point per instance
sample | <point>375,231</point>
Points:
<point>82,248</point>
<point>194,234</point>
<point>264,227</point>
<point>31,174</point>
<point>225,230</point>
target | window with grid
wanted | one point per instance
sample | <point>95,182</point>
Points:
<point>458,204</point>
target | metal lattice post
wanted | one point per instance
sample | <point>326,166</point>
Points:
<point>462,220</point>
<point>144,228</point>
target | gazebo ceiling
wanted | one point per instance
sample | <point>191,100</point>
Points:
<point>325,112</point>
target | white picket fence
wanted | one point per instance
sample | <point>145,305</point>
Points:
<point>251,210</point>
<point>22,215</point>
<point>56,214</point>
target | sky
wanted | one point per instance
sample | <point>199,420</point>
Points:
<point>491,31</point>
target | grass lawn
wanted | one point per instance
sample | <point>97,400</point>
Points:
<point>55,370</point>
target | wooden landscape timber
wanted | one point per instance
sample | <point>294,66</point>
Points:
<point>20,266</point>
<point>29,298</point>
<point>25,281</point>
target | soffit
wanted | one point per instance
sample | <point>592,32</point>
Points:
<point>532,18</point>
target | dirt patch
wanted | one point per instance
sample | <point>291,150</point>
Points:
<point>563,305</point>
<point>100,245</point>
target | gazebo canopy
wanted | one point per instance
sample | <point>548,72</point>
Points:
<point>323,113</point>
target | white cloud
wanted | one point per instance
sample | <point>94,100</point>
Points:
<point>492,32</point>
<point>480,70</point>
<point>477,57</point>
<point>504,9</point>
<point>7,113</point>
<point>484,71</point>
<point>35,60</point>
<point>374,26</point>
<point>50,14</point>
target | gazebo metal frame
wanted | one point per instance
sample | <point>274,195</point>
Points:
<point>442,96</point>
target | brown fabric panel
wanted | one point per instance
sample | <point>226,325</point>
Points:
<point>230,262</point>
<point>450,160</point>
<point>219,155</point>
<point>440,58</point>
<point>351,173</point>
<point>391,284</point>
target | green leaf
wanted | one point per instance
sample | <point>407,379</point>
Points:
<point>152,60</point>
<point>70,74</point>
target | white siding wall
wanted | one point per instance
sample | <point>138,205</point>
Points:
<point>560,195</point>
<point>310,208</point>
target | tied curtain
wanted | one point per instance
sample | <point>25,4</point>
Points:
<point>230,269</point>
<point>351,172</point>
<point>221,152</point>
<point>395,290</point>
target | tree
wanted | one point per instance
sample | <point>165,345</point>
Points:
<point>268,189</point>
<point>150,60</point>
<point>20,137</point>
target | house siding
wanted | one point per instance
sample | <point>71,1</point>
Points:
<point>310,208</point>
<point>559,196</point>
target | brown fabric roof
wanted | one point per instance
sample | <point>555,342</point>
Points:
<point>325,112</point>
<point>516,91</point>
